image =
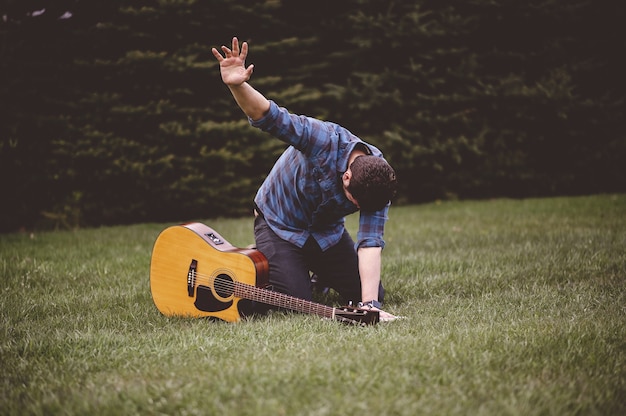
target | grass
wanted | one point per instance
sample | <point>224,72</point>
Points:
<point>512,307</point>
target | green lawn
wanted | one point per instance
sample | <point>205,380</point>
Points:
<point>512,307</point>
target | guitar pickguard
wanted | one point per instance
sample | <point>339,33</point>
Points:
<point>207,302</point>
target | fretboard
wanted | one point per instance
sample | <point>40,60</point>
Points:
<point>281,300</point>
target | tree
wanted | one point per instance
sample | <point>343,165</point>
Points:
<point>114,112</point>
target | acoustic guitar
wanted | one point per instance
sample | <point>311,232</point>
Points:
<point>195,272</point>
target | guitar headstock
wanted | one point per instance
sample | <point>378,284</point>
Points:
<point>356,316</point>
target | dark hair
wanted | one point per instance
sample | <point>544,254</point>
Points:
<point>373,183</point>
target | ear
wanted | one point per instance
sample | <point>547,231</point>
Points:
<point>347,175</point>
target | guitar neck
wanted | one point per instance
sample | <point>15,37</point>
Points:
<point>282,300</point>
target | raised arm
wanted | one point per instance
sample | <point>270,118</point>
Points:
<point>235,75</point>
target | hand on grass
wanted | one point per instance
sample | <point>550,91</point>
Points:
<point>385,316</point>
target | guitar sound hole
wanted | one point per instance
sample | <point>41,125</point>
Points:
<point>224,286</point>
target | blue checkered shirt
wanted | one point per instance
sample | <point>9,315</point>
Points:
<point>303,194</point>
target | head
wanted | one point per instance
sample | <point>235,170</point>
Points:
<point>370,182</point>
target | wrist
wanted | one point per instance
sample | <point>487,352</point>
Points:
<point>235,86</point>
<point>371,304</point>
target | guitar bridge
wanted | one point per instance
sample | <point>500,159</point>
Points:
<point>191,277</point>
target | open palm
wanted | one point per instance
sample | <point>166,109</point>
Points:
<point>233,63</point>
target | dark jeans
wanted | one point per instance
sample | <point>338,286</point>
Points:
<point>337,267</point>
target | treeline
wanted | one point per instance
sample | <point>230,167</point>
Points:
<point>114,111</point>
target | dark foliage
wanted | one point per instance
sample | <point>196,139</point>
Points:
<point>114,111</point>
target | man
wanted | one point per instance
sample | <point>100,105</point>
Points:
<point>325,174</point>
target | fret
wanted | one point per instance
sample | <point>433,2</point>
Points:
<point>281,300</point>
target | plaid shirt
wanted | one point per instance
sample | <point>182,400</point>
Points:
<point>303,194</point>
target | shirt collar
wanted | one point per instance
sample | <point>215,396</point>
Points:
<point>342,166</point>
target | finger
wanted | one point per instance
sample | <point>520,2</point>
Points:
<point>217,55</point>
<point>235,46</point>
<point>249,70</point>
<point>244,51</point>
<point>227,52</point>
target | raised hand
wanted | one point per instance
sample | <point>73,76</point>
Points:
<point>233,63</point>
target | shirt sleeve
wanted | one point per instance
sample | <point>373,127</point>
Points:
<point>307,134</point>
<point>371,228</point>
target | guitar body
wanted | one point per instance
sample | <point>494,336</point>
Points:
<point>194,272</point>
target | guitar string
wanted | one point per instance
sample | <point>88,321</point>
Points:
<point>287,301</point>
